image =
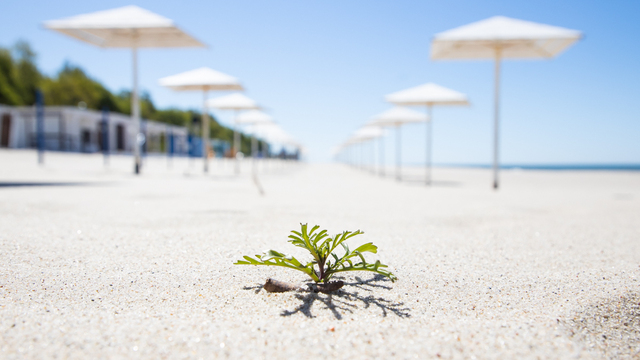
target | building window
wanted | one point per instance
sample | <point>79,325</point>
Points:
<point>120,137</point>
<point>6,129</point>
<point>86,140</point>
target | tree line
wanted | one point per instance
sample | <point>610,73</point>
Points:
<point>20,78</point>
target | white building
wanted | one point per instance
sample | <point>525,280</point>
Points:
<point>68,128</point>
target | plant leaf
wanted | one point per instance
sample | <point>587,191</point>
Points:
<point>368,247</point>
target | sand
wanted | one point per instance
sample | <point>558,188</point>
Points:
<point>103,264</point>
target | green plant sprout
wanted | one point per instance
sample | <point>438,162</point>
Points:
<point>322,246</point>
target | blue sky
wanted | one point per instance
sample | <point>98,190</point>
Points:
<point>323,67</point>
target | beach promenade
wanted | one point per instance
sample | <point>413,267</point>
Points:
<point>99,263</point>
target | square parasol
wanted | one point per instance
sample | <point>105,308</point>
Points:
<point>497,38</point>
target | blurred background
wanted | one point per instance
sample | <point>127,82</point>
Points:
<point>322,69</point>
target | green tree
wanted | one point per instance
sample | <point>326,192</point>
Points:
<point>72,86</point>
<point>28,76</point>
<point>172,116</point>
<point>9,94</point>
<point>19,75</point>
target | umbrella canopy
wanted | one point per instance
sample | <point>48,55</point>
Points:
<point>497,38</point>
<point>255,117</point>
<point>368,132</point>
<point>126,27</point>
<point>518,39</point>
<point>428,95</point>
<point>235,101</point>
<point>397,116</point>
<point>272,132</point>
<point>202,79</point>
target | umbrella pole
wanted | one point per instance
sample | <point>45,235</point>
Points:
<point>352,155</point>
<point>354,158</point>
<point>398,177</point>
<point>381,155</point>
<point>135,112</point>
<point>373,169</point>
<point>254,153</point>
<point>362,162</point>
<point>496,118</point>
<point>205,132</point>
<point>236,143</point>
<point>428,162</point>
<point>265,153</point>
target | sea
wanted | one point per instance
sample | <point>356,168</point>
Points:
<point>558,167</point>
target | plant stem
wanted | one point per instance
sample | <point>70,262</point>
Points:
<point>321,266</point>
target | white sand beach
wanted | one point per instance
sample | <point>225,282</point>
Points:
<point>103,264</point>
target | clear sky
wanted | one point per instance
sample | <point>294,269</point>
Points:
<point>322,68</point>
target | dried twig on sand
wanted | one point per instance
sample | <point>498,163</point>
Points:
<point>272,285</point>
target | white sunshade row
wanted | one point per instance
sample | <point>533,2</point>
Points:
<point>515,38</point>
<point>124,27</point>
<point>134,27</point>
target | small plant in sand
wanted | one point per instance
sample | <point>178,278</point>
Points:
<point>326,262</point>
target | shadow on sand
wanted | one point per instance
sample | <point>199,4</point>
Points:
<point>420,180</point>
<point>31,184</point>
<point>435,183</point>
<point>347,300</point>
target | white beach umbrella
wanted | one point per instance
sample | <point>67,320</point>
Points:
<point>236,102</point>
<point>126,27</point>
<point>368,132</point>
<point>256,118</point>
<point>397,116</point>
<point>202,79</point>
<point>427,95</point>
<point>500,38</point>
<point>259,130</point>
